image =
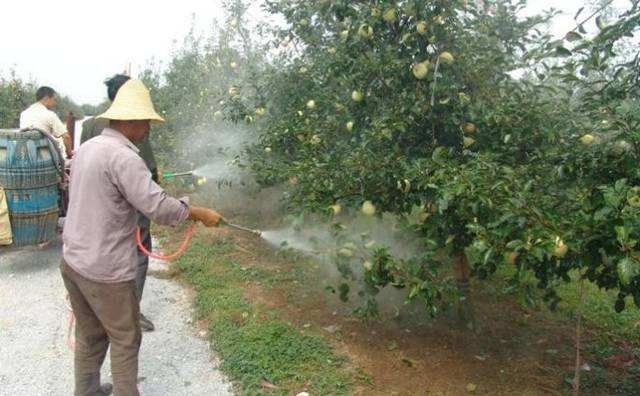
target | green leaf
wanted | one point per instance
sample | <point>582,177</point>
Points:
<point>344,292</point>
<point>622,234</point>
<point>528,185</point>
<point>415,289</point>
<point>619,307</point>
<point>627,270</point>
<point>515,244</point>
<point>487,256</point>
<point>612,198</point>
<point>602,214</point>
<point>562,51</point>
<point>438,154</point>
<point>573,36</point>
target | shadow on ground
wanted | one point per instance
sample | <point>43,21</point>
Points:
<point>13,260</point>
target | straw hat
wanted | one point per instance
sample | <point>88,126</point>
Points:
<point>132,102</point>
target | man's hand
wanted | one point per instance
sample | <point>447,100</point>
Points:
<point>208,217</point>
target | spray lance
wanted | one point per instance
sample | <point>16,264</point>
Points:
<point>172,175</point>
<point>241,228</point>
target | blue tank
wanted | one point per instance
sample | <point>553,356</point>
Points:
<point>30,175</point>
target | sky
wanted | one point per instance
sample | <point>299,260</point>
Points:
<point>74,45</point>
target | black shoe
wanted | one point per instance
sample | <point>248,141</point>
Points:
<point>146,324</point>
<point>104,390</point>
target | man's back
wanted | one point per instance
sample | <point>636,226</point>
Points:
<point>109,182</point>
<point>38,116</point>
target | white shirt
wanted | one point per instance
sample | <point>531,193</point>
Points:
<point>38,116</point>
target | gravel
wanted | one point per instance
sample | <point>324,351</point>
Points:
<point>36,360</point>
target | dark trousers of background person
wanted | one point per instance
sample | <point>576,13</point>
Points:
<point>143,260</point>
<point>106,313</point>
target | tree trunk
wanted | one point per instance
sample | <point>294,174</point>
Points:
<point>462,272</point>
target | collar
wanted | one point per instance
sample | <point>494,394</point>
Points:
<point>120,137</point>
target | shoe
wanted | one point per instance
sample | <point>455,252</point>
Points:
<point>104,390</point>
<point>146,324</point>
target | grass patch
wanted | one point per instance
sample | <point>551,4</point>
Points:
<point>280,354</point>
<point>597,306</point>
<point>615,335</point>
<point>598,310</point>
<point>253,342</point>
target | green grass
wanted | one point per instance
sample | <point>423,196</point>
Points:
<point>597,310</point>
<point>610,332</point>
<point>253,343</point>
<point>597,306</point>
<point>613,329</point>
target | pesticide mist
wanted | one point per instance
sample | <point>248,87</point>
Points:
<point>216,153</point>
<point>215,149</point>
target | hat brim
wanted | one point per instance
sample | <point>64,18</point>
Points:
<point>131,116</point>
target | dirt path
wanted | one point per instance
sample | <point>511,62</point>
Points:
<point>35,359</point>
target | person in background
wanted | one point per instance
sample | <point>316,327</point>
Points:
<point>94,127</point>
<point>110,183</point>
<point>70,123</point>
<point>40,115</point>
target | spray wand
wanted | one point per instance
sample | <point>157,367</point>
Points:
<point>241,228</point>
<point>171,175</point>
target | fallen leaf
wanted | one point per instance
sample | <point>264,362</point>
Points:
<point>408,362</point>
<point>471,387</point>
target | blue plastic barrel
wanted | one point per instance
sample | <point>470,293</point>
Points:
<point>30,177</point>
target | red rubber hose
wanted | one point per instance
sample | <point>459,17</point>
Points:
<point>187,239</point>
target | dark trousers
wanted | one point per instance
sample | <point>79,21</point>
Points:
<point>106,313</point>
<point>143,261</point>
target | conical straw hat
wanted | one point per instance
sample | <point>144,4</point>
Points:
<point>132,102</point>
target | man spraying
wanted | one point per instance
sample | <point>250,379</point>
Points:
<point>94,127</point>
<point>40,115</point>
<point>109,184</point>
